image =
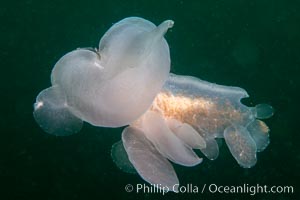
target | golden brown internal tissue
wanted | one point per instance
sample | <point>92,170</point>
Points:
<point>204,114</point>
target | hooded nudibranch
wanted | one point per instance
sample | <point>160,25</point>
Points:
<point>127,81</point>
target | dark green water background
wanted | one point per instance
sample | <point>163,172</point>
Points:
<point>251,44</point>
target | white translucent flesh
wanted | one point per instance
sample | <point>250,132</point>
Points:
<point>192,86</point>
<point>166,142</point>
<point>52,113</point>
<point>112,87</point>
<point>187,134</point>
<point>260,133</point>
<point>241,145</point>
<point>130,41</point>
<point>149,163</point>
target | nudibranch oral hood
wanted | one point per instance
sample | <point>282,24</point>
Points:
<point>127,81</point>
<point>109,87</point>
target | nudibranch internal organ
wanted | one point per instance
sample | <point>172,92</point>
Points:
<point>127,82</point>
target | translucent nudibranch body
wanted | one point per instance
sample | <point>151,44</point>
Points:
<point>127,81</point>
